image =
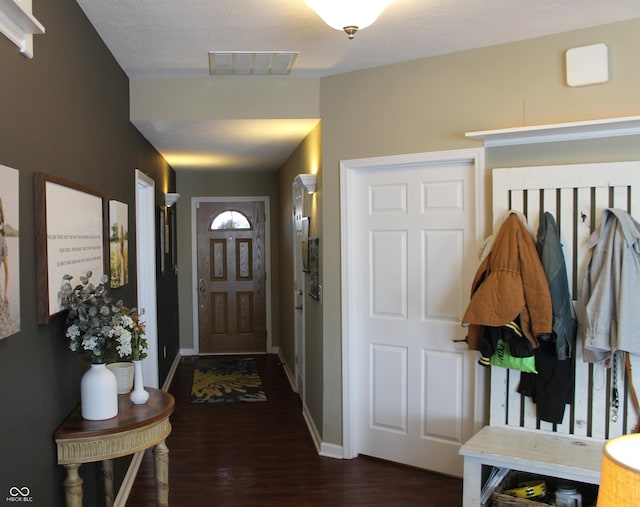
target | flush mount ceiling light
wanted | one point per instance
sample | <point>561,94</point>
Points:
<point>348,15</point>
<point>251,63</point>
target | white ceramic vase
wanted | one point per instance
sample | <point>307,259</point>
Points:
<point>98,393</point>
<point>139,395</point>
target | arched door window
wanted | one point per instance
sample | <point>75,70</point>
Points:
<point>231,220</point>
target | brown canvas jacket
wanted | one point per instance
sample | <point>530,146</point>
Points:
<point>510,282</point>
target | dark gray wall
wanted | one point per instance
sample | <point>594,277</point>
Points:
<point>66,112</point>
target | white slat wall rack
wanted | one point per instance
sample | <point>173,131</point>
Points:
<point>576,195</point>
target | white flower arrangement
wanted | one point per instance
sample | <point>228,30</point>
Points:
<point>129,335</point>
<point>98,329</point>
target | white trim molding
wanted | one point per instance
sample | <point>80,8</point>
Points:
<point>145,188</point>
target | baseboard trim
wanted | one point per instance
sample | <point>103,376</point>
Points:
<point>287,372</point>
<point>331,451</point>
<point>171,372</point>
<point>323,449</point>
<point>130,477</point>
<point>313,430</point>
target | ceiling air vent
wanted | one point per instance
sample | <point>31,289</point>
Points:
<point>251,63</point>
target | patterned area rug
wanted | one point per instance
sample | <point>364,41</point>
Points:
<point>226,380</point>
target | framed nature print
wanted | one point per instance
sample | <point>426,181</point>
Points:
<point>69,238</point>
<point>171,234</point>
<point>9,252</point>
<point>304,243</point>
<point>118,244</point>
<point>314,268</point>
<point>161,230</point>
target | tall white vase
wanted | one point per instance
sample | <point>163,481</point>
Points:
<point>139,395</point>
<point>98,393</point>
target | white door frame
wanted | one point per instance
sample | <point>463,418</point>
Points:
<point>146,269</point>
<point>349,170</point>
<point>195,202</point>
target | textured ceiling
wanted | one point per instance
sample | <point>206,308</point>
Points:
<point>172,38</point>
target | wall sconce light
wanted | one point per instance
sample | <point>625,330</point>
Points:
<point>308,181</point>
<point>348,15</point>
<point>171,199</point>
<point>620,476</point>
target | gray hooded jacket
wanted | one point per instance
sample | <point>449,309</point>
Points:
<point>609,301</point>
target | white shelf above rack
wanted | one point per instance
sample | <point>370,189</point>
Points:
<point>592,129</point>
<point>19,25</point>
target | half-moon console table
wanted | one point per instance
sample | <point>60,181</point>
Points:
<point>135,428</point>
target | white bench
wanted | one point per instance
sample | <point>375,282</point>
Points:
<point>532,451</point>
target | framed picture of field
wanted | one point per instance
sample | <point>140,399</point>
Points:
<point>118,244</point>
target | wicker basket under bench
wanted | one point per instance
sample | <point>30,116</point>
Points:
<point>560,456</point>
<point>513,479</point>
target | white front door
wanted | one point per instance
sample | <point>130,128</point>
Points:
<point>412,233</point>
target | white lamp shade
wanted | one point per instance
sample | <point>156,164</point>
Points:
<point>620,476</point>
<point>339,14</point>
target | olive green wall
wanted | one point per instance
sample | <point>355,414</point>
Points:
<point>66,113</point>
<point>429,104</point>
<point>197,183</point>
<point>304,160</point>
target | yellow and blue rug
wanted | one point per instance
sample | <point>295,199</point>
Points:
<point>226,380</point>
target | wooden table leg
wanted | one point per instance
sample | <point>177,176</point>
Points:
<point>107,475</point>
<point>161,454</point>
<point>73,486</point>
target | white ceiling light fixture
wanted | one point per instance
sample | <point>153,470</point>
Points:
<point>348,15</point>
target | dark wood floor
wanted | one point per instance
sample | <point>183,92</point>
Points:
<point>261,454</point>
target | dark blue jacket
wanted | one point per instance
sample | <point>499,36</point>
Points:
<point>552,388</point>
<point>550,251</point>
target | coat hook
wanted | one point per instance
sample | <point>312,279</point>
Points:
<point>583,217</point>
